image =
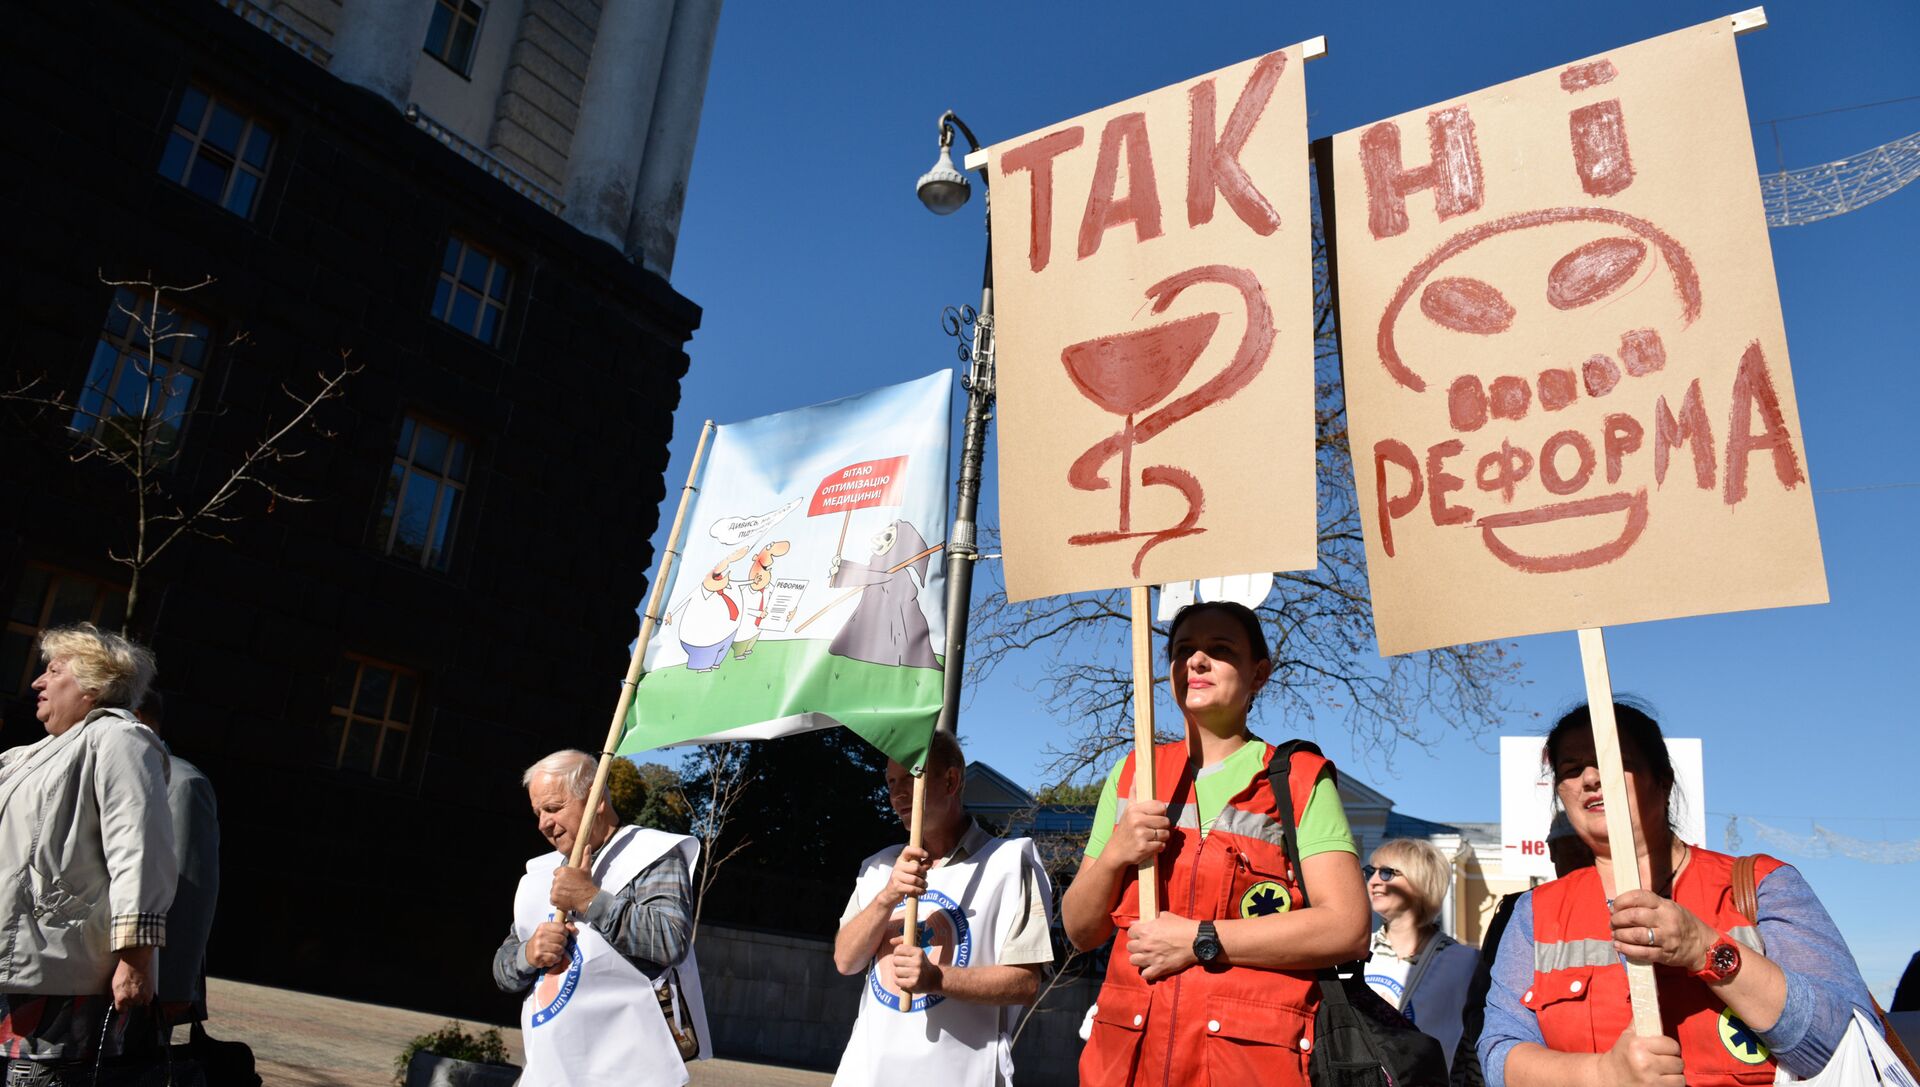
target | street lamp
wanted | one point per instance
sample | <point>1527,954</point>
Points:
<point>943,190</point>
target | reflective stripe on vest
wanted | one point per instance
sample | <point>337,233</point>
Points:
<point>1567,954</point>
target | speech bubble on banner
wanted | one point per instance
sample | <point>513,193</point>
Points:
<point>731,531</point>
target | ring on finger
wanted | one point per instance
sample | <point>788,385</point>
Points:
<point>1651,938</point>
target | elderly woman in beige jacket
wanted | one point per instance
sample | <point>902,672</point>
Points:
<point>86,856</point>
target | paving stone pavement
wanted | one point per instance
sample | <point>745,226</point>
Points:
<point>302,1040</point>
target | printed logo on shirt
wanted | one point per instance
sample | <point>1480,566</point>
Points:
<point>554,990</point>
<point>1740,1039</point>
<point>1265,897</point>
<point>947,939</point>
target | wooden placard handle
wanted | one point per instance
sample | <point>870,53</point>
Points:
<point>637,665</point>
<point>1149,873</point>
<point>910,934</point>
<point>1620,837</point>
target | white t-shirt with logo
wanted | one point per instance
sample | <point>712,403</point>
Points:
<point>1387,972</point>
<point>971,908</point>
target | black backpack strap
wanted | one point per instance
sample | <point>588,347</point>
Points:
<point>1279,774</point>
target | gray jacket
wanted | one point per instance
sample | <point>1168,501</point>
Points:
<point>87,865</point>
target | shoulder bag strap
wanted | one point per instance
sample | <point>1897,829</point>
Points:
<point>1279,777</point>
<point>1746,894</point>
<point>1279,774</point>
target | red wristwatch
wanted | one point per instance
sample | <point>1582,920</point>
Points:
<point>1723,962</point>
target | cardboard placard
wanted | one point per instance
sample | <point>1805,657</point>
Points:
<point>1565,366</point>
<point>1154,328</point>
<point>1526,802</point>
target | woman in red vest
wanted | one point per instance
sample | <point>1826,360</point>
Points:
<point>1218,989</point>
<point>1737,999</point>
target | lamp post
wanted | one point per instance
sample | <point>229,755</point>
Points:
<point>943,190</point>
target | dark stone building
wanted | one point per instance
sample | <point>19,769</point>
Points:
<point>364,675</point>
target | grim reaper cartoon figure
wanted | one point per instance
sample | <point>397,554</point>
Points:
<point>887,626</point>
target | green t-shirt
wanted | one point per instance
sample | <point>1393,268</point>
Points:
<point>1322,829</point>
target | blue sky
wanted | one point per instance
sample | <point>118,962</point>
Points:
<point>822,276</point>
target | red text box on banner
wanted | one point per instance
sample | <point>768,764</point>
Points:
<point>859,486</point>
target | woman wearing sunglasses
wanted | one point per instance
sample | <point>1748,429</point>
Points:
<point>1414,966</point>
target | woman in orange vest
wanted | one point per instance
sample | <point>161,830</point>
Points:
<point>1218,988</point>
<point>1737,998</point>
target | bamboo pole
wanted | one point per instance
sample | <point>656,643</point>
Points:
<point>1620,837</point>
<point>910,934</point>
<point>662,580</point>
<point>1149,873</point>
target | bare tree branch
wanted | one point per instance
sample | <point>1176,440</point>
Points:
<point>133,426</point>
<point>723,774</point>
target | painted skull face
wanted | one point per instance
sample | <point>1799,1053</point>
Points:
<point>1596,313</point>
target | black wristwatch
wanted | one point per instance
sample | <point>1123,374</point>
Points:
<point>1206,946</point>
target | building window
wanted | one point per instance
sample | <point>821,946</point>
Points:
<point>372,717</point>
<point>472,292</point>
<point>452,33</point>
<point>424,492</point>
<point>51,597</point>
<point>146,364</point>
<point>218,152</point>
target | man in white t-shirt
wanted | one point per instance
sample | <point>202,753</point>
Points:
<point>985,904</point>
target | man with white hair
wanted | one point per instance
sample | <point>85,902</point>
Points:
<point>617,999</point>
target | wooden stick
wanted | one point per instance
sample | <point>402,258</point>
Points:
<point>910,934</point>
<point>858,589</point>
<point>1748,21</point>
<point>638,664</point>
<point>1620,836</point>
<point>1149,873</point>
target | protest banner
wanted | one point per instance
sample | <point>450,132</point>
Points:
<point>738,666</point>
<point>1154,294</point>
<point>1566,369</point>
<point>1155,361</point>
<point>1526,803</point>
<point>809,595</point>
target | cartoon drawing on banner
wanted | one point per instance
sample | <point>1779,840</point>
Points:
<point>724,611</point>
<point>1127,373</point>
<point>1566,370</point>
<point>754,599</point>
<point>887,625</point>
<point>709,620</point>
<point>820,526</point>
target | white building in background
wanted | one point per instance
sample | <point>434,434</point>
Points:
<point>589,108</point>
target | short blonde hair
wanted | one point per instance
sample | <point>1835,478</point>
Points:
<point>116,671</point>
<point>571,766</point>
<point>1427,872</point>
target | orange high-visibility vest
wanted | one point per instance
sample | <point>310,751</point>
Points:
<point>1579,991</point>
<point>1233,1027</point>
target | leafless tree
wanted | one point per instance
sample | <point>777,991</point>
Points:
<point>1320,623</point>
<point>717,776</point>
<point>134,427</point>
